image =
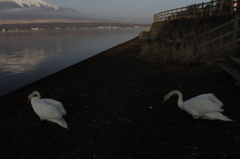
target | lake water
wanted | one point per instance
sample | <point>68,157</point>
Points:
<point>31,55</point>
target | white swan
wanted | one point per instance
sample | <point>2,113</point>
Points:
<point>48,109</point>
<point>205,106</point>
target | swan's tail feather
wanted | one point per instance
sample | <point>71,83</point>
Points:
<point>215,99</point>
<point>216,116</point>
<point>60,122</point>
<point>221,110</point>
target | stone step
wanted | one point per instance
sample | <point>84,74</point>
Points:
<point>233,71</point>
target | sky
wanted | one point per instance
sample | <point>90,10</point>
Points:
<point>135,11</point>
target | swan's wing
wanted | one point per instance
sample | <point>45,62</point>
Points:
<point>215,116</point>
<point>216,100</point>
<point>211,97</point>
<point>201,106</point>
<point>46,110</point>
<point>58,104</point>
<point>60,122</point>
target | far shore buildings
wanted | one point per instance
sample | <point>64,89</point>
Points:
<point>35,29</point>
<point>59,28</point>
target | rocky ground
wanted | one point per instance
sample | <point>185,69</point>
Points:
<point>113,101</point>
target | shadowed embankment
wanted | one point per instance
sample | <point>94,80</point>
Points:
<point>113,101</point>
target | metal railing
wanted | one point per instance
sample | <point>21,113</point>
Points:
<point>233,34</point>
<point>214,7</point>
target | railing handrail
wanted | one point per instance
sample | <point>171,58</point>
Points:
<point>233,32</point>
<point>195,9</point>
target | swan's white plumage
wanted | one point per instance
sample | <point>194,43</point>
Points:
<point>48,109</point>
<point>205,106</point>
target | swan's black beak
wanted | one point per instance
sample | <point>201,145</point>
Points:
<point>163,101</point>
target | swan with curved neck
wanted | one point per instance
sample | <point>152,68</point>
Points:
<point>205,106</point>
<point>33,94</point>
<point>48,109</point>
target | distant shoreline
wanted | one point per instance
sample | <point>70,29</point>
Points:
<point>33,21</point>
<point>55,24</point>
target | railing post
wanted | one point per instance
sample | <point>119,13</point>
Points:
<point>195,49</point>
<point>202,9</point>
<point>235,30</point>
<point>170,40</point>
<point>231,9</point>
<point>220,9</point>
<point>181,13</point>
<point>169,13</point>
<point>194,6</point>
<point>176,13</point>
<point>165,15</point>
<point>210,14</point>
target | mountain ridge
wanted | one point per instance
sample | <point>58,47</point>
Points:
<point>35,9</point>
<point>31,3</point>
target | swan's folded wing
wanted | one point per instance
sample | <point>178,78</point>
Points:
<point>202,105</point>
<point>58,104</point>
<point>211,97</point>
<point>214,99</point>
<point>46,110</point>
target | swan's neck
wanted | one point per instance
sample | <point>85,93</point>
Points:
<point>38,95</point>
<point>35,96</point>
<point>180,97</point>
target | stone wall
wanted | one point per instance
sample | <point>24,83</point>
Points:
<point>157,40</point>
<point>183,26</point>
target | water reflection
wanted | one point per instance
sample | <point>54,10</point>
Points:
<point>21,61</point>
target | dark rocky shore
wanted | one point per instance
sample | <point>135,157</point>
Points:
<point>113,101</point>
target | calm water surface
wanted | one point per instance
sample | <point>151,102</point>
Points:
<point>28,56</point>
